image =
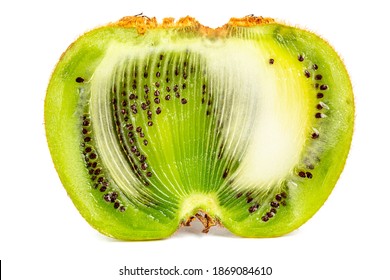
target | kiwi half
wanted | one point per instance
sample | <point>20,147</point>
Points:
<point>152,125</point>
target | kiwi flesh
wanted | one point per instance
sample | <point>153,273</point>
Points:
<point>151,125</point>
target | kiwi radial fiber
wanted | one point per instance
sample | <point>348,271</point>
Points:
<point>152,125</point>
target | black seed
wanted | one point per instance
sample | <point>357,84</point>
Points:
<point>87,139</point>
<point>122,209</point>
<point>176,72</point>
<point>318,77</point>
<point>156,93</point>
<point>88,149</point>
<point>318,115</point>
<point>84,131</point>
<point>97,171</point>
<point>319,106</point>
<point>168,89</point>
<point>183,101</point>
<point>161,57</point>
<point>157,100</point>
<point>323,87</point>
<point>145,142</point>
<point>158,110</point>
<point>144,165</point>
<point>103,189</point>
<point>79,80</point>
<point>132,96</point>
<point>144,106</point>
<point>123,111</point>
<point>130,134</point>
<point>317,85</point>
<point>225,173</point>
<point>158,74</point>
<point>315,66</point>
<point>146,89</point>
<point>309,175</point>
<point>167,80</point>
<point>270,214</point>
<point>184,86</point>
<point>149,174</point>
<point>107,197</point>
<point>149,113</point>
<point>301,58</point>
<point>177,94</point>
<point>142,158</point>
<point>271,61</point>
<point>284,195</point>
<point>150,123</point>
<point>142,135</point>
<point>134,86</point>
<point>157,84</point>
<point>253,208</point>
<point>168,97</point>
<point>139,129</point>
<point>116,205</point>
<point>124,93</point>
<point>94,164</point>
<point>273,210</point>
<point>278,197</point>
<point>249,199</point>
<point>203,100</point>
<point>90,171</point>
<point>184,75</point>
<point>307,74</point>
<point>274,204</point>
<point>114,196</point>
<point>133,149</point>
<point>85,123</point>
<point>320,95</point>
<point>208,113</point>
<point>175,88</point>
<point>124,103</point>
<point>239,195</point>
<point>264,219</point>
<point>145,75</point>
<point>302,174</point>
<point>315,135</point>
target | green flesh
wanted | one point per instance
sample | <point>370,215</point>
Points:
<point>251,143</point>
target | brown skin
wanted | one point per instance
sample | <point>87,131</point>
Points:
<point>143,23</point>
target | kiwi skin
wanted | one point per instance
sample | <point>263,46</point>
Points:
<point>62,112</point>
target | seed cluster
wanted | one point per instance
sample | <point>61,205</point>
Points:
<point>207,99</point>
<point>94,166</point>
<point>280,199</point>
<point>138,100</point>
<point>321,88</point>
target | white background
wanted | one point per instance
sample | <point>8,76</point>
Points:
<point>42,236</point>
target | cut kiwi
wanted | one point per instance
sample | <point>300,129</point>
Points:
<point>153,125</point>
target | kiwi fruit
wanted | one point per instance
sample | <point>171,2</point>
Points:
<point>152,125</point>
